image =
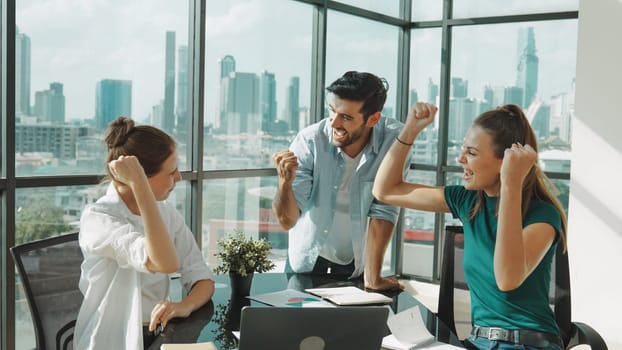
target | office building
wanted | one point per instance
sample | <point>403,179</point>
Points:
<point>168,120</point>
<point>527,67</point>
<point>459,87</point>
<point>113,98</point>
<point>22,73</point>
<point>292,105</point>
<point>181,109</point>
<point>432,92</point>
<point>267,101</point>
<point>240,103</point>
<point>50,104</point>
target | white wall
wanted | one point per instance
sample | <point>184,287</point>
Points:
<point>595,212</point>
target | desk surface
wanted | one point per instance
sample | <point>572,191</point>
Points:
<point>216,319</point>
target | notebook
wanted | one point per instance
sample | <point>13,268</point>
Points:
<point>307,328</point>
<point>291,298</point>
<point>349,295</point>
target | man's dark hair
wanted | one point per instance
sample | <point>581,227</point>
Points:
<point>361,86</point>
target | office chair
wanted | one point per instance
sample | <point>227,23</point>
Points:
<point>49,270</point>
<point>452,276</point>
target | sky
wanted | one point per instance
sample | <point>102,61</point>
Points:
<point>78,43</point>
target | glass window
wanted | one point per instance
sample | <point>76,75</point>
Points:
<point>425,70</point>
<point>82,64</point>
<point>257,78</point>
<point>426,10</point>
<point>482,8</point>
<point>390,8</point>
<point>418,232</point>
<point>245,205</point>
<point>360,44</point>
<point>530,64</point>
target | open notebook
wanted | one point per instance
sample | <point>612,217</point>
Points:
<point>349,296</point>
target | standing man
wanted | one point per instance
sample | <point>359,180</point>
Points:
<point>325,180</point>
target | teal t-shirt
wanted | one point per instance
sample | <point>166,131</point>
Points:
<point>526,307</point>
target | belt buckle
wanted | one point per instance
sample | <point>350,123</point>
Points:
<point>495,333</point>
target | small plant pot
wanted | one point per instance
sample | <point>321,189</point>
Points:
<point>240,285</point>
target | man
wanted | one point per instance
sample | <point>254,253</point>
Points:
<point>325,179</point>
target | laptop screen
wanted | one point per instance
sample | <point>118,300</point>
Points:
<point>313,328</point>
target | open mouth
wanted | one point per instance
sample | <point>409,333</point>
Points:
<point>467,175</point>
<point>340,134</point>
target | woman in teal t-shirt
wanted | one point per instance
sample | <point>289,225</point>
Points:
<point>512,224</point>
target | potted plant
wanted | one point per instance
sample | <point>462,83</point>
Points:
<point>241,256</point>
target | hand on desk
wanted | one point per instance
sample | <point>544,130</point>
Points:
<point>166,310</point>
<point>384,283</point>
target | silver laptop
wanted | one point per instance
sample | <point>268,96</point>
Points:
<point>313,328</point>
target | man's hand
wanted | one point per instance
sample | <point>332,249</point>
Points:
<point>286,164</point>
<point>383,283</point>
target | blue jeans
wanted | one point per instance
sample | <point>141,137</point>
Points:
<point>481,343</point>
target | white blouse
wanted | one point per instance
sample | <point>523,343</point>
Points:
<point>119,292</point>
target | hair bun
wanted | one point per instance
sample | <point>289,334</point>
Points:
<point>118,132</point>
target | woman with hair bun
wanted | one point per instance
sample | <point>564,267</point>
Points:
<point>131,239</point>
<point>512,224</point>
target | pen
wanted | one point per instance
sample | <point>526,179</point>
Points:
<point>159,329</point>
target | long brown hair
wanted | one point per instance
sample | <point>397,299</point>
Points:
<point>507,125</point>
<point>150,145</point>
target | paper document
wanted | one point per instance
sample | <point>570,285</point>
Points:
<point>292,298</point>
<point>407,331</point>
<point>192,346</point>
<point>350,296</point>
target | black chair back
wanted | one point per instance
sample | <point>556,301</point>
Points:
<point>49,271</point>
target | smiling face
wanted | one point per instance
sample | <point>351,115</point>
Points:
<point>481,166</point>
<point>350,130</point>
<point>163,182</point>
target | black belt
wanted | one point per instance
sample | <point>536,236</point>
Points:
<point>531,338</point>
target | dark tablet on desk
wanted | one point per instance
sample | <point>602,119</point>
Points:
<point>313,328</point>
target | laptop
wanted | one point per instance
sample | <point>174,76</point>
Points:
<point>313,328</point>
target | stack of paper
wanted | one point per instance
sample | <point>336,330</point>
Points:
<point>349,296</point>
<point>407,331</point>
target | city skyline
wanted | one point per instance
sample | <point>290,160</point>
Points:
<point>120,54</point>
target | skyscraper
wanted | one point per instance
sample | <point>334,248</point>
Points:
<point>113,98</point>
<point>292,104</point>
<point>268,100</point>
<point>227,65</point>
<point>50,104</point>
<point>414,97</point>
<point>240,103</point>
<point>22,73</point>
<point>462,112</point>
<point>432,91</point>
<point>459,87</point>
<point>168,122</point>
<point>513,95</point>
<point>182,90</point>
<point>527,67</point>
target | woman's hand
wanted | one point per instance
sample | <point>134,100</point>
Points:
<point>127,170</point>
<point>517,162</point>
<point>418,119</point>
<point>165,311</point>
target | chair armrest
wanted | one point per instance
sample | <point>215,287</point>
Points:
<point>585,334</point>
